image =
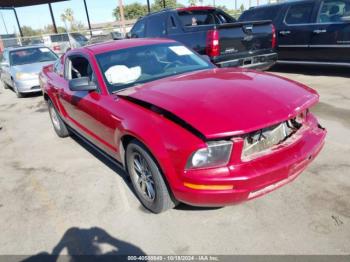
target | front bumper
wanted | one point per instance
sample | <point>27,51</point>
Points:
<point>28,86</point>
<point>256,177</point>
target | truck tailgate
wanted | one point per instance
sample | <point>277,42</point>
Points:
<point>242,37</point>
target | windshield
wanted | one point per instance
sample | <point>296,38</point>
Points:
<point>128,67</point>
<point>32,55</point>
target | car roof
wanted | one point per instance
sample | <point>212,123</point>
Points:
<point>15,48</point>
<point>278,4</point>
<point>124,44</point>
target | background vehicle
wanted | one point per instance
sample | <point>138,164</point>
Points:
<point>60,43</point>
<point>104,37</point>
<point>309,32</point>
<point>184,129</point>
<point>20,67</point>
<point>210,31</point>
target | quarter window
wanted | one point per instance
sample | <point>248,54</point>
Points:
<point>138,30</point>
<point>299,14</point>
<point>333,11</point>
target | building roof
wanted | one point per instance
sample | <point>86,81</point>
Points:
<point>22,3</point>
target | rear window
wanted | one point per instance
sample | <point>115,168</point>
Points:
<point>257,14</point>
<point>299,14</point>
<point>59,38</point>
<point>204,17</point>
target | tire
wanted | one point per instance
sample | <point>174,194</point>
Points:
<point>57,122</point>
<point>18,94</point>
<point>145,174</point>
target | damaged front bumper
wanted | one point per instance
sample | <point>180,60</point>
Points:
<point>247,179</point>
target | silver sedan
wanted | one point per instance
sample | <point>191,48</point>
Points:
<point>20,67</point>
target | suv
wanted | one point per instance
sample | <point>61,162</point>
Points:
<point>60,43</point>
<point>309,31</point>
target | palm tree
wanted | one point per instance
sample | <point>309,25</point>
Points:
<point>68,15</point>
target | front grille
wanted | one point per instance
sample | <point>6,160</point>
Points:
<point>257,142</point>
<point>35,87</point>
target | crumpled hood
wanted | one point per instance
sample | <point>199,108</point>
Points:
<point>226,102</point>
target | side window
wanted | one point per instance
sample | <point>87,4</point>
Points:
<point>261,13</point>
<point>299,14</point>
<point>156,27</point>
<point>77,66</point>
<point>224,18</point>
<point>138,30</point>
<point>333,11</point>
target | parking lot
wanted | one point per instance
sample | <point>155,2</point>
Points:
<point>61,196</point>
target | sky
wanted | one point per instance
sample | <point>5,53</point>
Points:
<point>99,11</point>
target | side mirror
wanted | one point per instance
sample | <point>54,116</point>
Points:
<point>128,35</point>
<point>81,84</point>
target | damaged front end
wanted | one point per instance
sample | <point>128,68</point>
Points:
<point>259,142</point>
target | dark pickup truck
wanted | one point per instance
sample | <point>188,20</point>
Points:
<point>309,31</point>
<point>212,32</point>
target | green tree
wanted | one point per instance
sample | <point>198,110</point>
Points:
<point>241,8</point>
<point>28,31</point>
<point>67,16</point>
<point>192,2</point>
<point>48,29</point>
<point>131,11</point>
<point>158,4</point>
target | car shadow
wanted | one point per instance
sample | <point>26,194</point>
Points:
<point>185,207</point>
<point>311,70</point>
<point>88,245</point>
<point>114,166</point>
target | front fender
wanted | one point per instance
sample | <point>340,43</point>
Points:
<point>169,143</point>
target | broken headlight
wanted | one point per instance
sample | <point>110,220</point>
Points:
<point>216,153</point>
<point>263,139</point>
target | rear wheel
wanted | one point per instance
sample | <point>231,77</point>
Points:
<point>147,179</point>
<point>58,124</point>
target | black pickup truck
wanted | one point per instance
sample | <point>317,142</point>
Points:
<point>212,32</point>
<point>309,31</point>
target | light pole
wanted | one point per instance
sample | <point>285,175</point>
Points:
<point>3,21</point>
<point>122,18</point>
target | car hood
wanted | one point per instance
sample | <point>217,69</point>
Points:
<point>226,102</point>
<point>34,68</point>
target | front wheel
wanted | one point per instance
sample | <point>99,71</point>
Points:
<point>58,124</point>
<point>147,179</point>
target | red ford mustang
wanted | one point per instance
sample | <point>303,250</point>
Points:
<point>184,130</point>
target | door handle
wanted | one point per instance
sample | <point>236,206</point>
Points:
<point>287,32</point>
<point>320,31</point>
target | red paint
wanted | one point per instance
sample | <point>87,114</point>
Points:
<point>213,45</point>
<point>220,103</point>
<point>195,8</point>
<point>274,37</point>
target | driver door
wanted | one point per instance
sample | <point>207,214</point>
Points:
<point>83,108</point>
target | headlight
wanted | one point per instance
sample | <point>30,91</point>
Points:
<point>216,153</point>
<point>22,75</point>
